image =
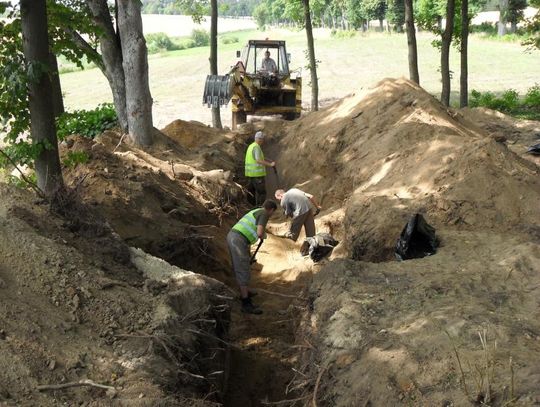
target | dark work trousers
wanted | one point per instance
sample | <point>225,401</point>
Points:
<point>256,190</point>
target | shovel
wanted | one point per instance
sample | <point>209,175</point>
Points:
<point>277,177</point>
<point>256,250</point>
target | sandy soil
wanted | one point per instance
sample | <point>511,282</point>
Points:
<point>357,329</point>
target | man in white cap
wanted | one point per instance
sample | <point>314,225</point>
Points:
<point>255,170</point>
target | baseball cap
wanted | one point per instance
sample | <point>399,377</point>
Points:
<point>259,135</point>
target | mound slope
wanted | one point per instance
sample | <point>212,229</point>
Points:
<point>394,150</point>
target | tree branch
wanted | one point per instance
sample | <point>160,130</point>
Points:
<point>83,382</point>
<point>90,52</point>
<point>25,179</point>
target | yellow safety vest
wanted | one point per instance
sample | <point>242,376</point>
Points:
<point>253,168</point>
<point>247,225</point>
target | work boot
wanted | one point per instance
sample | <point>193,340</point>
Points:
<point>249,308</point>
<point>304,250</point>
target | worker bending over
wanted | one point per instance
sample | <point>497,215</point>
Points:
<point>239,240</point>
<point>255,170</point>
<point>299,206</point>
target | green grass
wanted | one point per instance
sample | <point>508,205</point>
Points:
<point>347,65</point>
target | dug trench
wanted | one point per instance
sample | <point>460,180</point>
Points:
<point>177,202</point>
<point>359,328</point>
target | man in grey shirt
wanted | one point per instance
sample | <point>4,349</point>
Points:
<point>268,64</point>
<point>298,205</point>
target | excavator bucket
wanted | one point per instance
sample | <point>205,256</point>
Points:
<point>217,90</point>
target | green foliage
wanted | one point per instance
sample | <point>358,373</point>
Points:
<point>159,42</point>
<point>343,33</point>
<point>532,28</point>
<point>88,123</point>
<point>200,37</point>
<point>515,10</point>
<point>510,102</point>
<point>19,182</point>
<point>261,16</point>
<point>485,28</point>
<point>395,14</point>
<point>185,43</point>
<point>229,39</point>
<point>373,9</point>
<point>532,98</point>
<point>74,158</point>
<point>15,73</point>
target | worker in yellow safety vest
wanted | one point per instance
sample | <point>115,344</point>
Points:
<point>255,170</point>
<point>239,240</point>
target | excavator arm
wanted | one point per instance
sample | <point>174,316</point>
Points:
<point>219,89</point>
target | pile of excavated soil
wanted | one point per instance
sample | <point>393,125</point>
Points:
<point>171,200</point>
<point>386,334</point>
<point>77,303</point>
<point>376,158</point>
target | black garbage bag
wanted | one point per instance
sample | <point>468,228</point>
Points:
<point>534,149</point>
<point>416,240</point>
<point>318,246</point>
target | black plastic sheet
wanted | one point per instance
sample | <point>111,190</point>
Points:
<point>416,240</point>
<point>319,246</point>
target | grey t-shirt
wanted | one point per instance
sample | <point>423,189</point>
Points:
<point>261,218</point>
<point>295,203</point>
<point>257,153</point>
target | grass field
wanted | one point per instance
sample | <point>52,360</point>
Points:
<point>346,65</point>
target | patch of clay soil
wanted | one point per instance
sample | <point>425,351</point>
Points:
<point>77,303</point>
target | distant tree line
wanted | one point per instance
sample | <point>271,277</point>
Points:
<point>355,14</point>
<point>229,8</point>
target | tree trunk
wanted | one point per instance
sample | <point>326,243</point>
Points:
<point>135,64</point>
<point>216,116</point>
<point>42,125</point>
<point>381,24</point>
<point>445,52</point>
<point>463,80</point>
<point>111,54</point>
<point>411,42</point>
<point>513,27</point>
<point>503,9</point>
<point>58,99</point>
<point>312,59</point>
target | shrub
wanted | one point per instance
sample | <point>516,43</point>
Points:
<point>200,37</point>
<point>509,102</point>
<point>343,33</point>
<point>532,98</point>
<point>88,123</point>
<point>159,42</point>
<point>229,40</point>
<point>74,158</point>
<point>185,43</point>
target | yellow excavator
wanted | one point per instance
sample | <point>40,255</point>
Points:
<point>256,86</point>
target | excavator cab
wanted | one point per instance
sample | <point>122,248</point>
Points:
<point>257,86</point>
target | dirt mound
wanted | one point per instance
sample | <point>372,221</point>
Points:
<point>167,200</point>
<point>376,158</point>
<point>70,313</point>
<point>191,134</point>
<point>387,333</point>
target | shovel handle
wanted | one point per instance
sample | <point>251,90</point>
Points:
<point>256,250</point>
